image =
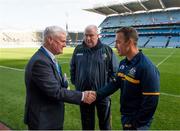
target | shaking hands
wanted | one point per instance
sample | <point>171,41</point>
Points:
<point>89,97</point>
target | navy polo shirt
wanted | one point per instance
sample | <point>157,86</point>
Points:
<point>138,80</point>
<point>139,77</point>
<point>139,87</point>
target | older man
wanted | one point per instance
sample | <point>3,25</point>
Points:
<point>92,67</point>
<point>45,86</point>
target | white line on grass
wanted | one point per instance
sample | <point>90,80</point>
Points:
<point>10,68</point>
<point>21,70</point>
<point>17,69</point>
<point>166,94</point>
<point>64,62</point>
<point>161,62</point>
<point>65,57</point>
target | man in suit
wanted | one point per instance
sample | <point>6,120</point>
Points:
<point>45,86</point>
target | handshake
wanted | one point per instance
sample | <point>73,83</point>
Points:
<point>89,97</point>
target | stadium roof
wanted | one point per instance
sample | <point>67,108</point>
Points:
<point>135,6</point>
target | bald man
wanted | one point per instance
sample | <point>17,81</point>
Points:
<point>93,65</point>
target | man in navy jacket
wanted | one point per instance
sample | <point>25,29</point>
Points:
<point>93,65</point>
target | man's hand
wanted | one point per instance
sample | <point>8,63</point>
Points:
<point>89,97</point>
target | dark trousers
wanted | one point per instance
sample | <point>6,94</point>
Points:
<point>126,121</point>
<point>103,112</point>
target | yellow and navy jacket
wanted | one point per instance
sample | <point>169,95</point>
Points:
<point>139,85</point>
<point>92,68</point>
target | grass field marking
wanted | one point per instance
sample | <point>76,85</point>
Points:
<point>64,62</point>
<point>6,67</point>
<point>166,94</point>
<point>63,57</point>
<point>161,62</point>
<point>68,78</point>
<point>16,69</point>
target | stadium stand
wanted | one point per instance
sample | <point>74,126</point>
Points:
<point>174,42</point>
<point>157,21</point>
<point>157,41</point>
<point>143,40</point>
<point>74,38</point>
<point>20,38</point>
<point>16,38</point>
<point>108,40</point>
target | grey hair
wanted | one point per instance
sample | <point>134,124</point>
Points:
<point>89,27</point>
<point>52,30</point>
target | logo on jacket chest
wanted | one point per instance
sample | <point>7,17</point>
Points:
<point>132,72</point>
<point>104,56</point>
<point>79,54</point>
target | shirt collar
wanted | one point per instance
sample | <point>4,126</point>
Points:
<point>52,56</point>
<point>134,59</point>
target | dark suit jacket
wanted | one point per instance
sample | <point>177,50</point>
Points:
<point>45,94</point>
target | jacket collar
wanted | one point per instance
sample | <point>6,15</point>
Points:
<point>45,52</point>
<point>98,45</point>
<point>51,55</point>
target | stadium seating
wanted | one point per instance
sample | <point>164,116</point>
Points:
<point>142,19</point>
<point>174,42</point>
<point>108,40</point>
<point>157,41</point>
<point>143,40</point>
<point>74,38</point>
<point>15,39</point>
<point>155,29</point>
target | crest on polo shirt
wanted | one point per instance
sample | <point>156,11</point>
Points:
<point>132,72</point>
<point>122,67</point>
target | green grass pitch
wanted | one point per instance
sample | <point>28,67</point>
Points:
<point>12,89</point>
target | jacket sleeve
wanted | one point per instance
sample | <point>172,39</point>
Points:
<point>113,66</point>
<point>73,69</point>
<point>109,89</point>
<point>115,63</point>
<point>150,95</point>
<point>44,78</point>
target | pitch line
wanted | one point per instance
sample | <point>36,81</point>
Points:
<point>161,62</point>
<point>64,62</point>
<point>16,69</point>
<point>22,70</point>
<point>166,94</point>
